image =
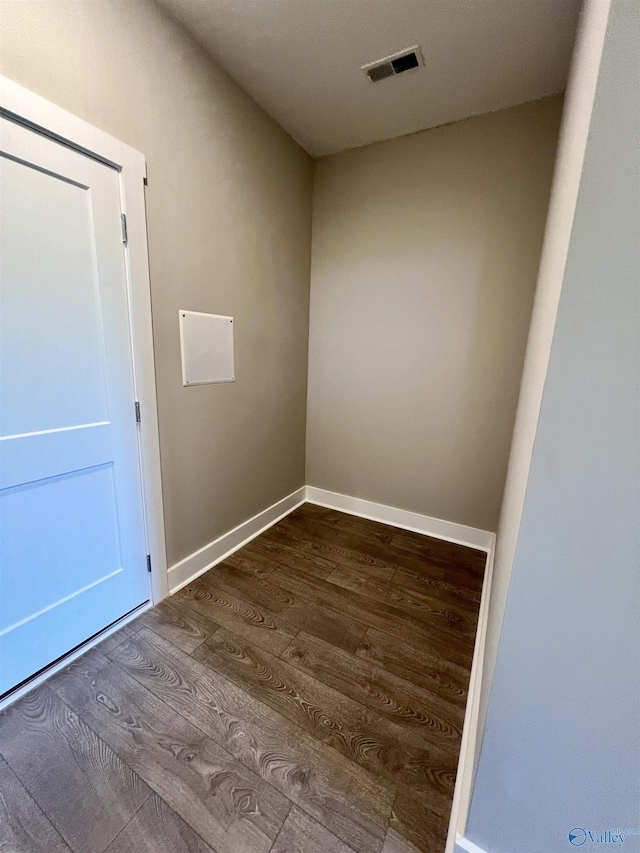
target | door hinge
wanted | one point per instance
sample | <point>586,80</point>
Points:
<point>148,562</point>
<point>123,219</point>
<point>137,412</point>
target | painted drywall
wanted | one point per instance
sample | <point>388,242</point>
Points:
<point>562,742</point>
<point>566,183</point>
<point>424,261</point>
<point>229,207</point>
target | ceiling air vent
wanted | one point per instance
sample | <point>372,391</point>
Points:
<point>397,63</point>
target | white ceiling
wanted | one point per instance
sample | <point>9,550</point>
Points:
<point>300,59</point>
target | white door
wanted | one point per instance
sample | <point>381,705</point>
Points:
<point>72,539</point>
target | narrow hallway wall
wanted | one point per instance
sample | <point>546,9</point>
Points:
<point>561,747</point>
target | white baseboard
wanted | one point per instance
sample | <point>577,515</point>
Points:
<point>200,561</point>
<point>448,530</point>
<point>467,846</point>
<point>470,734</point>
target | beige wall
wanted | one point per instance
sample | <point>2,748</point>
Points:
<point>229,206</point>
<point>424,262</point>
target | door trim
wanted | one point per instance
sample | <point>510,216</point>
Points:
<point>23,106</point>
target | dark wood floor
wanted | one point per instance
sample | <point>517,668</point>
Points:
<point>304,696</point>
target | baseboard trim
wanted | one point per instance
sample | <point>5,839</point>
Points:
<point>425,524</point>
<point>467,846</point>
<point>466,763</point>
<point>191,567</point>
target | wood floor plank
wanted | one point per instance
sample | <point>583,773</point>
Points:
<point>259,558</point>
<point>347,799</point>
<point>347,541</point>
<point>302,611</point>
<point>82,786</point>
<point>363,527</point>
<point>356,576</point>
<point>156,828</point>
<point>413,551</point>
<point>429,609</point>
<point>353,540</point>
<point>184,627</point>
<point>414,820</point>
<point>444,641</point>
<point>395,843</point>
<point>252,622</point>
<point>424,669</point>
<point>230,807</point>
<point>307,543</point>
<point>440,551</point>
<point>23,826</point>
<point>447,592</point>
<point>392,697</point>
<point>358,733</point>
<point>303,834</point>
<point>462,577</point>
<point>119,636</point>
<point>251,561</point>
<point>287,557</point>
<point>304,696</point>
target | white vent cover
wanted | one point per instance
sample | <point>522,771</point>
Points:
<point>206,345</point>
<point>408,59</point>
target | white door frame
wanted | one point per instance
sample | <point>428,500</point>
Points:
<point>30,109</point>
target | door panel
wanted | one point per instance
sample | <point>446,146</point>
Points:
<point>77,514</point>
<point>48,322</point>
<point>72,542</point>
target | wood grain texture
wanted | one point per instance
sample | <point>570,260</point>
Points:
<point>422,668</point>
<point>351,802</point>
<point>440,552</point>
<point>119,636</point>
<point>402,546</point>
<point>87,792</point>
<point>364,527</point>
<point>463,578</point>
<point>230,807</point>
<point>301,611</point>
<point>23,826</point>
<point>181,625</point>
<point>355,540</point>
<point>287,558</point>
<point>394,698</point>
<point>395,843</point>
<point>156,828</point>
<point>307,543</point>
<point>458,617</point>
<point>306,695</point>
<point>302,834</point>
<point>413,818</point>
<point>447,642</point>
<point>252,622</point>
<point>448,592</point>
<point>365,737</point>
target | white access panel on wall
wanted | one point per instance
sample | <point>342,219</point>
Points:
<point>206,344</point>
